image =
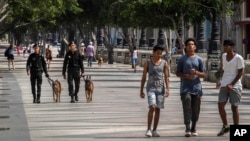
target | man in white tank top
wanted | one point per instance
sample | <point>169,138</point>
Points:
<point>134,59</point>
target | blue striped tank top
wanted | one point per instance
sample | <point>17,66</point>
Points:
<point>156,77</point>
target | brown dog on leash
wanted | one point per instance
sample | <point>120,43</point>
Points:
<point>89,88</point>
<point>100,61</point>
<point>57,89</point>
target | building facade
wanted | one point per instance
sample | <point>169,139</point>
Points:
<point>244,29</point>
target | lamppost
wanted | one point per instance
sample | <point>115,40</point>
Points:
<point>143,40</point>
<point>161,39</point>
<point>214,50</point>
<point>87,35</point>
<point>214,45</point>
<point>201,39</point>
<point>100,37</point>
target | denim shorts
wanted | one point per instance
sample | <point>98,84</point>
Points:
<point>233,95</point>
<point>134,61</point>
<point>155,98</point>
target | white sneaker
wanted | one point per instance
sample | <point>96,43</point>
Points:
<point>155,134</point>
<point>188,134</point>
<point>194,134</point>
<point>148,133</point>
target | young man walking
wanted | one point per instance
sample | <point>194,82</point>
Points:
<point>230,85</point>
<point>190,68</point>
<point>157,88</point>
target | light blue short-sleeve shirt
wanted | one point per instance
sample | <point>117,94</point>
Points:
<point>185,63</point>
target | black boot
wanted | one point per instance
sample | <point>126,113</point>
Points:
<point>38,99</point>
<point>76,97</point>
<point>72,99</point>
<point>34,98</point>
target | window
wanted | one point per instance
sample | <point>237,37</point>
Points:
<point>247,8</point>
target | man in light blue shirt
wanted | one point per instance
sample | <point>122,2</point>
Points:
<point>190,68</point>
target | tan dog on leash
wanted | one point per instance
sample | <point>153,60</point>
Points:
<point>89,88</point>
<point>57,89</point>
<point>100,61</point>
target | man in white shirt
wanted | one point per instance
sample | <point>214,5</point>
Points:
<point>135,57</point>
<point>230,85</point>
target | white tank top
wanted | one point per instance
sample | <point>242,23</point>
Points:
<point>135,54</point>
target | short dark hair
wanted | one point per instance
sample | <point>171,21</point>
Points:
<point>35,45</point>
<point>72,42</point>
<point>158,47</point>
<point>190,39</point>
<point>228,42</point>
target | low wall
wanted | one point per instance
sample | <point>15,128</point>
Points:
<point>246,75</point>
<point>123,56</point>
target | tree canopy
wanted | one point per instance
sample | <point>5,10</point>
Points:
<point>19,16</point>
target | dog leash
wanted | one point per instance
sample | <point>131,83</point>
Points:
<point>50,81</point>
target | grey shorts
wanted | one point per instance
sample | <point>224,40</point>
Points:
<point>156,99</point>
<point>234,96</point>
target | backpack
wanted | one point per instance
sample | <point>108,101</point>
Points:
<point>6,53</point>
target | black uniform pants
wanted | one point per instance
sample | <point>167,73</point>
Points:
<point>36,79</point>
<point>74,75</point>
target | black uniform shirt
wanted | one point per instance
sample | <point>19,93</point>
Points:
<point>36,64</point>
<point>72,61</point>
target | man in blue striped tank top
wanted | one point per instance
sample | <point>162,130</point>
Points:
<point>157,88</point>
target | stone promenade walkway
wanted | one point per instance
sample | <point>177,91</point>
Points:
<point>117,113</point>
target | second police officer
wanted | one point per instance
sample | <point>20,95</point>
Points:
<point>35,67</point>
<point>74,66</point>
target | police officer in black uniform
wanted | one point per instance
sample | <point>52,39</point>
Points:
<point>35,67</point>
<point>73,63</point>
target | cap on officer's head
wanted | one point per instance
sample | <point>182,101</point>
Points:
<point>82,44</point>
<point>72,42</point>
<point>228,43</point>
<point>91,43</point>
<point>35,45</point>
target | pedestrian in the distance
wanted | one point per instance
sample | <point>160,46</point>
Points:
<point>190,68</point>
<point>157,88</point>
<point>18,49</point>
<point>9,53</point>
<point>230,84</point>
<point>135,58</point>
<point>48,54</point>
<point>90,52</point>
<point>74,65</point>
<point>25,50</point>
<point>35,67</point>
<point>82,50</point>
